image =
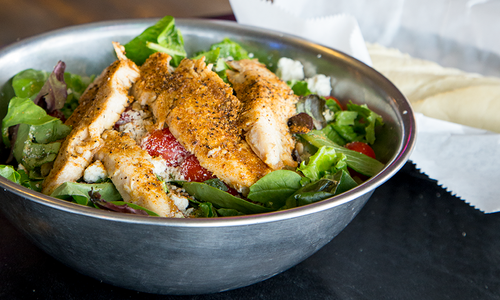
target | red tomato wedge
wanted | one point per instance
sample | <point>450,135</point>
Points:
<point>163,143</point>
<point>361,147</point>
<point>193,171</point>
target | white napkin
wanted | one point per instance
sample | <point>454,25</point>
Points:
<point>340,31</point>
<point>463,160</point>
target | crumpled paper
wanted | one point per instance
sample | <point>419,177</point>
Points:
<point>462,159</point>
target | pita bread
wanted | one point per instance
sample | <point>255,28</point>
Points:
<point>443,93</point>
<point>475,106</point>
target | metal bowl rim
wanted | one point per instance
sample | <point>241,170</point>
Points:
<point>408,140</point>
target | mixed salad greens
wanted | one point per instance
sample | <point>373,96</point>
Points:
<point>33,129</point>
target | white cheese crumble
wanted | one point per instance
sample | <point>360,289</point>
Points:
<point>168,173</point>
<point>95,172</point>
<point>320,85</point>
<point>180,201</point>
<point>135,122</point>
<point>329,115</point>
<point>289,69</point>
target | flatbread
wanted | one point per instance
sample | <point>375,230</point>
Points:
<point>475,106</point>
<point>443,93</point>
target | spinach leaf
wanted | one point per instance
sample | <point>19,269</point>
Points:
<point>355,160</point>
<point>206,210</point>
<point>221,199</point>
<point>161,37</point>
<point>79,192</point>
<point>227,212</point>
<point>321,189</point>
<point>274,188</point>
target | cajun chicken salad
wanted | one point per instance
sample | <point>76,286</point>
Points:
<point>165,133</point>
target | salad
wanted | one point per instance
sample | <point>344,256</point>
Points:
<point>130,139</point>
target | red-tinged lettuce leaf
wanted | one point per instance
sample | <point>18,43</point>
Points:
<point>54,92</point>
<point>119,206</point>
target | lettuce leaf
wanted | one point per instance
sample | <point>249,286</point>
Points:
<point>321,189</point>
<point>53,93</point>
<point>355,160</point>
<point>368,120</point>
<point>20,177</point>
<point>274,188</point>
<point>324,162</point>
<point>29,82</point>
<point>23,111</point>
<point>299,87</point>
<point>161,37</point>
<point>79,192</point>
<point>221,199</point>
<point>230,50</point>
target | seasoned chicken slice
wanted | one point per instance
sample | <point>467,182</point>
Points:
<point>153,74</point>
<point>268,103</point>
<point>100,107</point>
<point>130,169</point>
<point>202,114</point>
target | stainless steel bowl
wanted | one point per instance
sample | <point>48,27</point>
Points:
<point>196,256</point>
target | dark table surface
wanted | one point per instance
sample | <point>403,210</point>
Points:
<point>412,240</point>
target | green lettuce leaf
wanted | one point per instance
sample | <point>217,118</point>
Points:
<point>23,111</point>
<point>230,50</point>
<point>368,120</point>
<point>325,161</point>
<point>299,87</point>
<point>221,199</point>
<point>274,188</point>
<point>321,189</point>
<point>161,37</point>
<point>79,192</point>
<point>355,160</point>
<point>29,82</point>
<point>20,177</point>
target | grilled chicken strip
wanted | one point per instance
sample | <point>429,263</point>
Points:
<point>202,113</point>
<point>130,169</point>
<point>268,103</point>
<point>99,108</point>
<point>153,73</point>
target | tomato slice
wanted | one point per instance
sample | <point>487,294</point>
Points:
<point>163,143</point>
<point>361,147</point>
<point>191,169</point>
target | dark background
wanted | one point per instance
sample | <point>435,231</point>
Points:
<point>24,18</point>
